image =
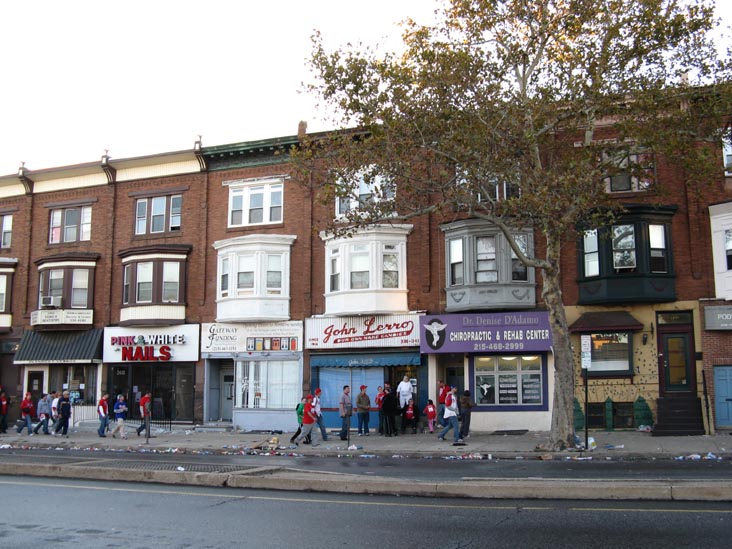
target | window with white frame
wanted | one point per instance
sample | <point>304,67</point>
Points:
<point>153,281</point>
<point>509,380</point>
<point>67,287</point>
<point>368,189</point>
<point>3,292</point>
<point>258,274</point>
<point>270,384</point>
<point>6,224</point>
<point>363,263</point>
<point>489,257</point>
<point>70,225</point>
<point>591,253</point>
<point>727,157</point>
<point>255,202</point>
<point>159,214</point>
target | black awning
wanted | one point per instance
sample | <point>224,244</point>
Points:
<point>608,321</point>
<point>60,347</point>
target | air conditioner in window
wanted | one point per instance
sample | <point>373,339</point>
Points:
<point>50,302</point>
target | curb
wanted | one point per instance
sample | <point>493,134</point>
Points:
<point>276,478</point>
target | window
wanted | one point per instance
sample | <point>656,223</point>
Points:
<point>727,157</point>
<point>611,353</point>
<point>359,268</point>
<point>158,214</point>
<point>3,292</point>
<point>70,225</point>
<point>171,281</point>
<point>623,247</point>
<point>370,189</point>
<point>144,280</point>
<point>486,269</point>
<point>274,384</point>
<point>390,266</point>
<point>255,204</point>
<point>274,274</point>
<point>335,270</point>
<point>519,271</point>
<point>224,277</point>
<point>659,253</point>
<point>245,274</point>
<point>456,262</point>
<point>628,169</point>
<point>512,380</point>
<point>69,287</point>
<point>591,255</point>
<point>6,223</point>
<point>153,281</point>
<point>80,288</point>
<point>728,247</point>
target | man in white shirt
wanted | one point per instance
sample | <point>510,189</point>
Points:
<point>404,390</point>
<point>319,413</point>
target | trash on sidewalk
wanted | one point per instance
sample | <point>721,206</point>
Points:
<point>179,468</point>
<point>580,444</point>
<point>368,456</point>
<point>614,447</point>
<point>546,457</point>
<point>644,428</point>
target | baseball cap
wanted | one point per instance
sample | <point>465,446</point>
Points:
<point>318,391</point>
<point>309,397</point>
<point>364,387</point>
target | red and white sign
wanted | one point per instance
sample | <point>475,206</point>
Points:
<point>362,331</point>
<point>165,344</point>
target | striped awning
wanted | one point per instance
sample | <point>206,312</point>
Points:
<point>60,347</point>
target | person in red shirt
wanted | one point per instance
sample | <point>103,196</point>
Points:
<point>443,390</point>
<point>145,405</point>
<point>409,417</point>
<point>378,399</point>
<point>4,405</point>
<point>431,412</point>
<point>26,413</point>
<point>309,420</point>
<point>103,412</point>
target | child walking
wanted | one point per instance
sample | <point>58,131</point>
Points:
<point>431,412</point>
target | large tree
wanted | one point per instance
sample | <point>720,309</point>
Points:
<point>540,97</point>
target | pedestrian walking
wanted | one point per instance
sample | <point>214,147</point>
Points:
<point>54,396</point>
<point>43,411</point>
<point>319,413</point>
<point>64,414</point>
<point>299,410</point>
<point>309,420</point>
<point>345,409</point>
<point>120,414</point>
<point>145,407</point>
<point>26,415</point>
<point>451,413</point>
<point>103,413</point>
<point>466,406</point>
<point>363,406</point>
<point>442,392</point>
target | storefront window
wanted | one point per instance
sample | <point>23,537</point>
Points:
<point>509,380</point>
<point>273,384</point>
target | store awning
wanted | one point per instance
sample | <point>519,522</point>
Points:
<point>60,347</point>
<point>608,321</point>
<point>379,360</point>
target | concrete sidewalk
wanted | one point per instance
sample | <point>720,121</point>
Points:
<point>616,445</point>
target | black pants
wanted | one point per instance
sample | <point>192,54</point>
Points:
<point>62,425</point>
<point>389,425</point>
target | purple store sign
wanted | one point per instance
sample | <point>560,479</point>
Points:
<point>485,333</point>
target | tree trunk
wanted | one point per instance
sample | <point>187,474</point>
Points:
<point>562,428</point>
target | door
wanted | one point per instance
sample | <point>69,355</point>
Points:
<point>35,384</point>
<point>227,395</point>
<point>723,396</point>
<point>184,392</point>
<point>676,363</point>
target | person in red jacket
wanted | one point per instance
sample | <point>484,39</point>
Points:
<point>443,390</point>
<point>309,420</point>
<point>431,412</point>
<point>4,405</point>
<point>26,413</point>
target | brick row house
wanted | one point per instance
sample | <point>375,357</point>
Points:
<point>206,277</point>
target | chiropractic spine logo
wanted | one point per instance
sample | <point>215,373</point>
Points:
<point>435,333</point>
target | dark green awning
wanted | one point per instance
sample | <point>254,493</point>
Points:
<point>60,347</point>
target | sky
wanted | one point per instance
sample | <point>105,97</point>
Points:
<point>143,77</point>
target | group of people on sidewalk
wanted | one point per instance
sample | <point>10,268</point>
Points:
<point>120,415</point>
<point>53,411</point>
<point>390,405</point>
